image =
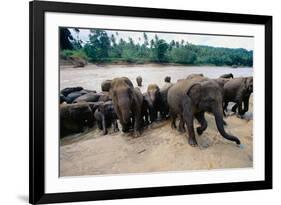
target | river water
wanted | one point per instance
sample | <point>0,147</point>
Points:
<point>91,76</point>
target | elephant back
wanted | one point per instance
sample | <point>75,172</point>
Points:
<point>123,81</point>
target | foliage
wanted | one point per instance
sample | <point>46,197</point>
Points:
<point>65,39</point>
<point>98,45</point>
<point>65,54</point>
<point>102,47</point>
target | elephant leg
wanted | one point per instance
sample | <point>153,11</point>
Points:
<point>137,121</point>
<point>181,127</point>
<point>201,119</point>
<point>115,126</point>
<point>225,107</point>
<point>163,112</point>
<point>146,118</point>
<point>246,104</point>
<point>104,128</point>
<point>240,110</point>
<point>80,127</point>
<point>188,118</point>
<point>234,108</point>
<point>173,122</point>
<point>99,124</point>
<point>152,114</point>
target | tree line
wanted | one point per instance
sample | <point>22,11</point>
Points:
<point>102,47</point>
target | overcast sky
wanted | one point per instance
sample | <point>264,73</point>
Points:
<point>207,40</point>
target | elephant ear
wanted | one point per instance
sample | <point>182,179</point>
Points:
<point>250,81</point>
<point>244,84</point>
<point>194,92</point>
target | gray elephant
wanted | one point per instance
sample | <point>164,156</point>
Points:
<point>192,98</point>
<point>139,81</point>
<point>164,94</point>
<point>74,117</point>
<point>74,95</point>
<point>68,95</point>
<point>154,101</point>
<point>127,103</point>
<point>167,79</point>
<point>194,75</point>
<point>238,90</point>
<point>181,79</point>
<point>93,97</point>
<point>105,85</point>
<point>63,99</point>
<point>228,75</point>
<point>221,82</point>
<point>66,91</point>
<point>94,105</point>
<point>105,117</point>
<point>145,110</point>
<point>104,97</point>
<point>88,97</point>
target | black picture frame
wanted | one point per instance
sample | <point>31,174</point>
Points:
<point>37,194</point>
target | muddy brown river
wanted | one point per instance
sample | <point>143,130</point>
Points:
<point>91,76</point>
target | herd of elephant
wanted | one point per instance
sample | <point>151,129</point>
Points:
<point>185,100</point>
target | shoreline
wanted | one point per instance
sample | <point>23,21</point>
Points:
<point>66,65</point>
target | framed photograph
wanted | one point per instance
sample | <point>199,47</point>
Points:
<point>130,102</point>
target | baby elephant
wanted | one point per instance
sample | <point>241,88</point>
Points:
<point>106,117</point>
<point>106,85</point>
<point>139,81</point>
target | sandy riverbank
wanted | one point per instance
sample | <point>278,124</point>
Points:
<point>158,149</point>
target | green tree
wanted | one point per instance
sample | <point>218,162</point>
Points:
<point>65,39</point>
<point>98,46</point>
<point>160,49</point>
<point>183,55</point>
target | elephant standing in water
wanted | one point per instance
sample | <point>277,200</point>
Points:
<point>228,75</point>
<point>127,102</point>
<point>167,79</point>
<point>192,98</point>
<point>139,81</point>
<point>238,90</point>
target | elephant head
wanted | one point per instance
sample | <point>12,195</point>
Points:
<point>167,79</point>
<point>139,81</point>
<point>153,92</point>
<point>206,96</point>
<point>122,97</point>
<point>249,84</point>
<point>107,114</point>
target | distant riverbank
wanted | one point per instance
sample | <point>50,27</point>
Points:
<point>67,64</point>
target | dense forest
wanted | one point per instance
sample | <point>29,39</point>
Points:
<point>102,47</point>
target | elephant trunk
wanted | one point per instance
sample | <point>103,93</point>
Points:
<point>219,122</point>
